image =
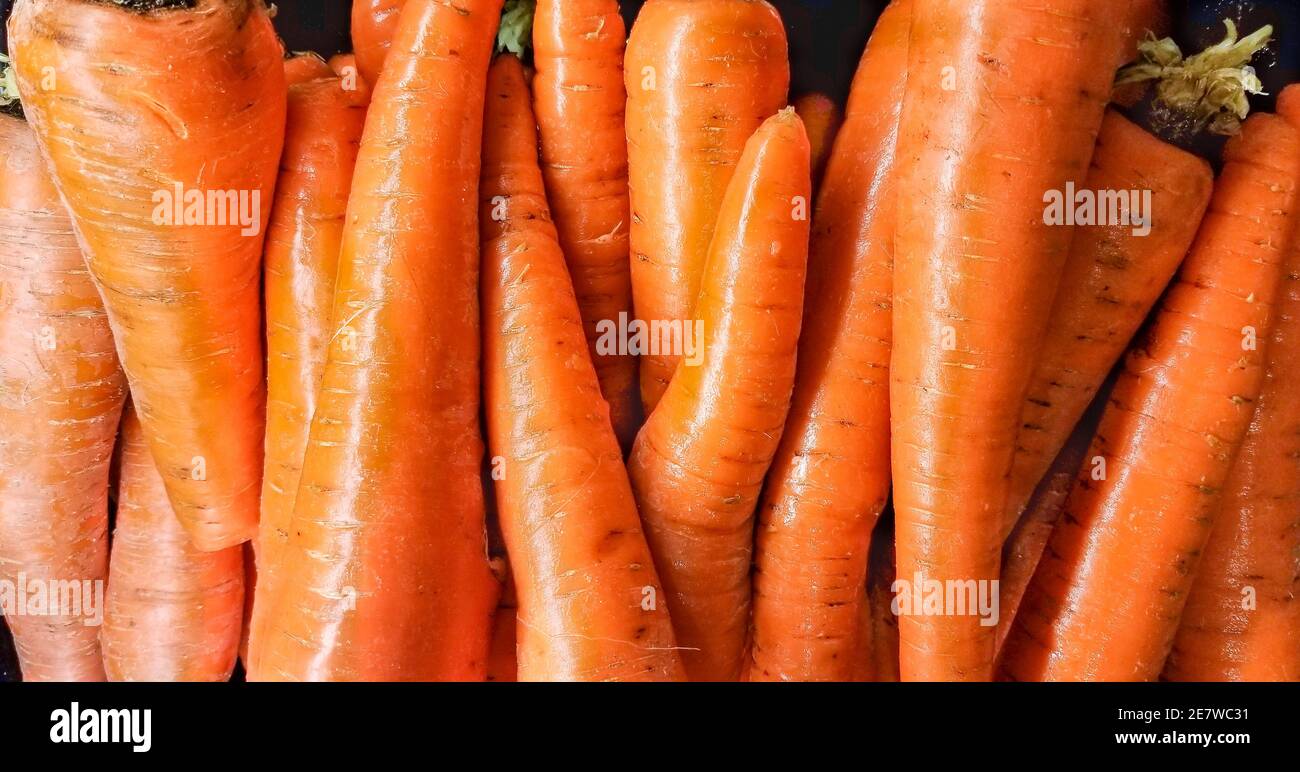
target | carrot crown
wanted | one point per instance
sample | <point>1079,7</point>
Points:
<point>1210,86</point>
<point>516,29</point>
<point>8,84</point>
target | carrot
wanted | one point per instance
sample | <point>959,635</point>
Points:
<point>699,461</point>
<point>61,393</point>
<point>883,638</point>
<point>1242,619</point>
<point>1105,601</point>
<point>579,98</point>
<point>172,613</point>
<point>503,660</point>
<point>1146,19</point>
<point>701,76</point>
<point>322,135</point>
<point>303,67</point>
<point>168,180</point>
<point>345,66</point>
<point>385,574</point>
<point>1113,276</point>
<point>588,595</point>
<point>830,478</point>
<point>823,118</point>
<point>374,22</point>
<point>975,271</point>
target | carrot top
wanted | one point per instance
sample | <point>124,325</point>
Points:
<point>516,29</point>
<point>9,104</point>
<point>1210,87</point>
<point>145,6</point>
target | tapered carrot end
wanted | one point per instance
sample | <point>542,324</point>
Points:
<point>303,66</point>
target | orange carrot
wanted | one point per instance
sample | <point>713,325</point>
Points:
<point>61,394</point>
<point>1010,108</point>
<point>168,180</point>
<point>385,575</point>
<point>1113,276</point>
<point>883,637</point>
<point>830,478</point>
<point>322,134</point>
<point>588,596</point>
<point>374,22</point>
<point>699,462</point>
<point>172,612</point>
<point>701,76</point>
<point>304,67</point>
<point>823,118</point>
<point>578,52</point>
<point>1107,596</point>
<point>1242,620</point>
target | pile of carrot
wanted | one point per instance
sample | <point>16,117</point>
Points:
<point>521,344</point>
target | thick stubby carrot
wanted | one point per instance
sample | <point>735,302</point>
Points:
<point>830,478</point>
<point>385,575</point>
<point>823,118</point>
<point>701,76</point>
<point>151,114</point>
<point>580,100</point>
<point>61,395</point>
<point>303,240</point>
<point>1107,596</point>
<point>1242,619</point>
<point>590,604</point>
<point>1010,109</point>
<point>374,22</point>
<point>699,462</point>
<point>1113,276</point>
<point>172,613</point>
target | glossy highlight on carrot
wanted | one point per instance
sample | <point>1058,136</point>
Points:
<point>385,572</point>
<point>169,182</point>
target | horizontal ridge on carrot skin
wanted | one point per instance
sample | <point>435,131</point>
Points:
<point>701,75</point>
<point>1107,596</point>
<point>699,461</point>
<point>590,604</point>
<point>1112,278</point>
<point>172,613</point>
<point>131,143</point>
<point>830,478</point>
<point>385,574</point>
<point>580,101</point>
<point>61,395</point>
<point>1253,547</point>
<point>303,241</point>
<point>1010,109</point>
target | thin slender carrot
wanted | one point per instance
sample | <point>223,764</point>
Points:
<point>304,238</point>
<point>580,99</point>
<point>1107,596</point>
<point>823,118</point>
<point>830,478</point>
<point>385,572</point>
<point>168,180</point>
<point>698,464</point>
<point>172,612</point>
<point>701,76</point>
<point>1113,276</point>
<point>1010,110</point>
<point>374,22</point>
<point>589,599</point>
<point>61,394</point>
<point>1242,620</point>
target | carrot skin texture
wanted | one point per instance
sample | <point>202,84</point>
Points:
<point>1255,542</point>
<point>578,557</point>
<point>975,272</point>
<point>701,76</point>
<point>385,573</point>
<point>830,478</point>
<point>304,238</point>
<point>61,395</point>
<point>172,612</point>
<point>182,299</point>
<point>1111,280</point>
<point>580,102</point>
<point>374,22</point>
<point>1107,596</point>
<point>699,462</point>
